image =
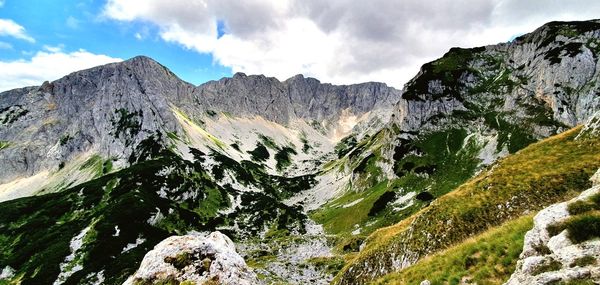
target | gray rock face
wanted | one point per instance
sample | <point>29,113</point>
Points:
<point>561,62</point>
<point>110,109</point>
<point>552,72</point>
<point>548,259</point>
<point>107,110</point>
<point>296,98</point>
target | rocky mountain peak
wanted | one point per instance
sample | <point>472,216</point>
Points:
<point>298,97</point>
<point>545,34</point>
<point>107,110</point>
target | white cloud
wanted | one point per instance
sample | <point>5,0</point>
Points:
<point>341,41</point>
<point>54,49</point>
<point>49,64</point>
<point>10,28</point>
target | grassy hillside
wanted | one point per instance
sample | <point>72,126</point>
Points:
<point>541,174</point>
<point>489,258</point>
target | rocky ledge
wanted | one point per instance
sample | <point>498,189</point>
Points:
<point>563,245</point>
<point>194,259</point>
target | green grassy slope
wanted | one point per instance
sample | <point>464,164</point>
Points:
<point>541,174</point>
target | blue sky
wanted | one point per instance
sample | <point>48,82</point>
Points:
<point>336,41</point>
<point>73,25</point>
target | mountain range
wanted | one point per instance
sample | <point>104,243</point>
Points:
<point>313,182</point>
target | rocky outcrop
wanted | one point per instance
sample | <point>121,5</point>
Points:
<point>560,60</point>
<point>195,259</point>
<point>591,127</point>
<point>548,258</point>
<point>548,73</point>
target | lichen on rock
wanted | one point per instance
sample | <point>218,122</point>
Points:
<point>194,259</point>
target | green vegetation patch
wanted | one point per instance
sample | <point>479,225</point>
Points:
<point>583,206</point>
<point>173,136</point>
<point>331,264</point>
<point>260,153</point>
<point>437,162</point>
<point>251,173</point>
<point>4,144</point>
<point>236,146</point>
<point>65,139</point>
<point>512,136</point>
<point>556,54</point>
<point>97,165</point>
<point>284,157</point>
<point>342,214</point>
<point>211,113</point>
<point>547,266</point>
<point>268,142</point>
<point>127,125</point>
<point>584,261</point>
<point>11,114</point>
<point>431,164</point>
<point>181,260</point>
<point>498,84</point>
<point>579,228</point>
<point>345,146</point>
<point>306,147</point>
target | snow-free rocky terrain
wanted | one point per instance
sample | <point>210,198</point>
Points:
<point>310,183</point>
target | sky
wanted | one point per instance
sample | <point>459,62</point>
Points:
<point>336,41</point>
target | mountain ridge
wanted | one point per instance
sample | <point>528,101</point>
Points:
<point>304,176</point>
<point>139,94</point>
